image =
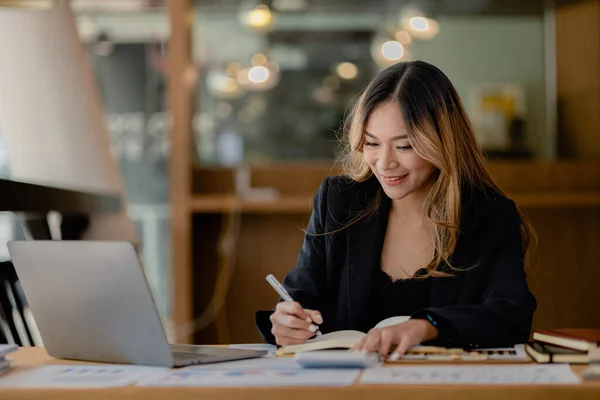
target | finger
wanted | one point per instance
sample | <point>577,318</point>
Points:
<point>286,341</point>
<point>315,316</point>
<point>292,307</point>
<point>372,342</point>
<point>358,346</point>
<point>387,337</point>
<point>300,334</point>
<point>401,348</point>
<point>291,321</point>
<point>361,344</point>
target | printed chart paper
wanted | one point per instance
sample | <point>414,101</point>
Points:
<point>476,375</point>
<point>78,376</point>
<point>195,377</point>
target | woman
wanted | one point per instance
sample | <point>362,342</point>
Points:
<point>415,227</point>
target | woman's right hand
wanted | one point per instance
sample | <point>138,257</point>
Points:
<point>293,324</point>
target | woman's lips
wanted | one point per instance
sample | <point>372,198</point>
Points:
<point>394,180</point>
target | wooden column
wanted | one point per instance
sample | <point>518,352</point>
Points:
<point>180,86</point>
<point>578,78</point>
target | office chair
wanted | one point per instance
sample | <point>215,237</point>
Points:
<point>12,299</point>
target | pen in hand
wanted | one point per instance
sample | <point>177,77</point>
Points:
<point>284,294</point>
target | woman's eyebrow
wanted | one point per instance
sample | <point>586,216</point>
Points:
<point>399,137</point>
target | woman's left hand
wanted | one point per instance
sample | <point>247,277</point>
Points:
<point>404,336</point>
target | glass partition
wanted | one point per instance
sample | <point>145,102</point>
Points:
<point>276,78</point>
<point>126,49</point>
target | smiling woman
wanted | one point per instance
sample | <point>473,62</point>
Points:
<point>415,227</point>
<point>425,138</point>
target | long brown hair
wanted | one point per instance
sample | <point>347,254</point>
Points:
<point>440,131</point>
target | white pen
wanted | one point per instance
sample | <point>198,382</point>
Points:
<point>284,294</point>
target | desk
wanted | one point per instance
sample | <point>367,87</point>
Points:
<point>30,357</point>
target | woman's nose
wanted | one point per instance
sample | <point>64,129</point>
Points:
<point>387,161</point>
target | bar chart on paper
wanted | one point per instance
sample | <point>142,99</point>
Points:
<point>247,378</point>
<point>78,376</point>
<point>476,375</point>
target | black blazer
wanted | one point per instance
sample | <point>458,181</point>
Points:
<point>488,305</point>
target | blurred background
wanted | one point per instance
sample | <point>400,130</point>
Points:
<point>200,129</point>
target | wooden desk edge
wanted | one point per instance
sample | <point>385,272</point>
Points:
<point>32,357</point>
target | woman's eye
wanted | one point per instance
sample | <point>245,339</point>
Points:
<point>371,144</point>
<point>404,148</point>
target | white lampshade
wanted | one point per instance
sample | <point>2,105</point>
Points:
<point>50,114</point>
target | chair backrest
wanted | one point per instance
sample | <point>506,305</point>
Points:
<point>14,325</point>
<point>17,324</point>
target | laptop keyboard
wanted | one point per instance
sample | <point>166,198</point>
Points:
<point>194,354</point>
<point>187,358</point>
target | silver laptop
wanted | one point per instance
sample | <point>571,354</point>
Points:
<point>91,301</point>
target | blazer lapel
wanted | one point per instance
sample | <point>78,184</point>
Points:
<point>364,245</point>
<point>446,291</point>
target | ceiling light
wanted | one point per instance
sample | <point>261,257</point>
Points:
<point>419,24</point>
<point>392,50</point>
<point>259,59</point>
<point>258,74</point>
<point>347,70</point>
<point>403,37</point>
<point>387,51</point>
<point>260,17</point>
<point>259,78</point>
<point>223,86</point>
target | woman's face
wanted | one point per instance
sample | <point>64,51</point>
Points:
<point>387,150</point>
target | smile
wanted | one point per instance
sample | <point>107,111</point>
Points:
<point>394,180</point>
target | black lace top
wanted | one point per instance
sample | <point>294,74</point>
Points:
<point>402,297</point>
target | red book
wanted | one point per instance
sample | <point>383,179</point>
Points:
<point>576,339</point>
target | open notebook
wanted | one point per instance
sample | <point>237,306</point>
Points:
<point>336,340</point>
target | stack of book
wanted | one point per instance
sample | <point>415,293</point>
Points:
<point>4,350</point>
<point>563,345</point>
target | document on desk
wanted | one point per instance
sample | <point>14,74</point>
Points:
<point>471,375</point>
<point>189,377</point>
<point>78,376</point>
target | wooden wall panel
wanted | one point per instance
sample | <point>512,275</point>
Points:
<point>268,245</point>
<point>565,268</point>
<point>578,78</point>
<point>578,46</point>
<point>288,179</point>
<point>522,176</point>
